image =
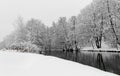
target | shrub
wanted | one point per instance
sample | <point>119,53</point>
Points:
<point>25,47</point>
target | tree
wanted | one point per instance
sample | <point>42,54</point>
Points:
<point>20,31</point>
<point>90,24</point>
<point>98,18</point>
<point>36,32</point>
<point>74,41</point>
<point>61,33</point>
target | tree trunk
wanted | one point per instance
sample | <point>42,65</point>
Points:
<point>76,52</point>
<point>98,41</point>
<point>92,44</point>
<point>111,23</point>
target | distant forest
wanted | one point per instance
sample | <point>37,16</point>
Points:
<point>96,23</point>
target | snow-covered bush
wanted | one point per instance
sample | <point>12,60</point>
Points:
<point>25,47</point>
<point>29,47</point>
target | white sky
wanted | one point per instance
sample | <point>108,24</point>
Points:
<point>45,10</point>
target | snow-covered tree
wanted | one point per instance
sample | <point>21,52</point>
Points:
<point>61,33</point>
<point>97,19</point>
<point>36,32</point>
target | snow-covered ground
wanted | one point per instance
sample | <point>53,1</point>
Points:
<point>104,46</point>
<point>25,64</point>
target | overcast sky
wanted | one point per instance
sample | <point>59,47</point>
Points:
<point>45,10</point>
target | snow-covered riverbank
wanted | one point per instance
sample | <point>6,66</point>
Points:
<point>25,64</point>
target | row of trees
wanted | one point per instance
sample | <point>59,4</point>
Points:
<point>28,36</point>
<point>98,22</point>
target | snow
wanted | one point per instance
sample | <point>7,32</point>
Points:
<point>104,49</point>
<point>104,46</point>
<point>25,64</point>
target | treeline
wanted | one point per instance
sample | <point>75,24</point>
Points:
<point>98,22</point>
